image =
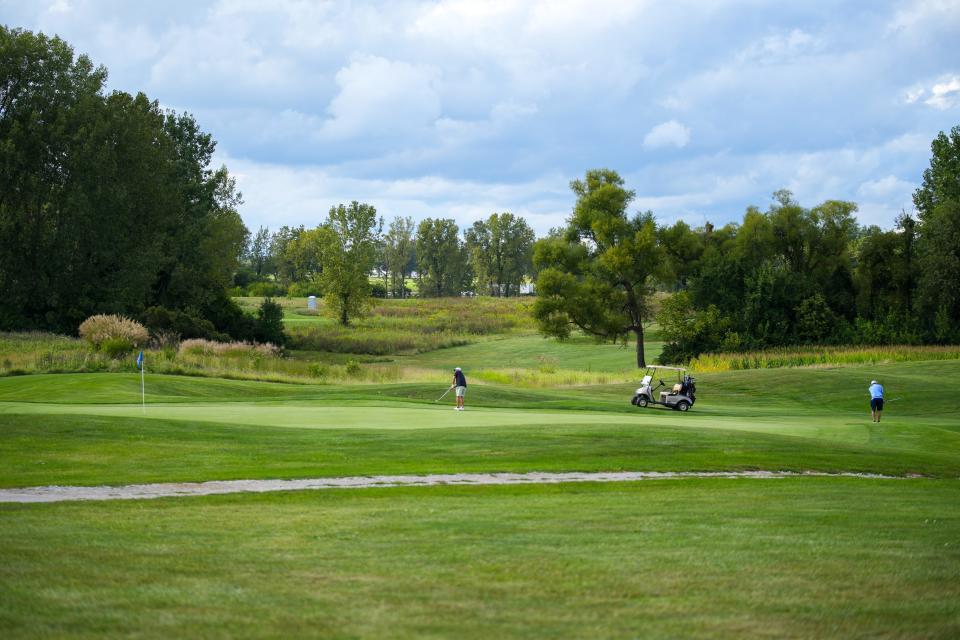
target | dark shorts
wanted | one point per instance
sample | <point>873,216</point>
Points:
<point>876,404</point>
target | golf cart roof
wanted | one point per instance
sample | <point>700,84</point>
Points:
<point>656,366</point>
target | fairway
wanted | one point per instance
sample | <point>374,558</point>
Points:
<point>694,557</point>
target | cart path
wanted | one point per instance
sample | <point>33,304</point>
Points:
<point>179,489</point>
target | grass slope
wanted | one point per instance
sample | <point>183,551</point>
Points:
<point>797,558</point>
<point>89,429</point>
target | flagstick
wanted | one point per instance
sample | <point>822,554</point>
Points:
<point>143,393</point>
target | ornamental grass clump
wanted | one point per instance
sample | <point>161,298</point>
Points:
<point>113,334</point>
<point>201,347</point>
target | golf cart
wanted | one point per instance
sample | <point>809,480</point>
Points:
<point>679,397</point>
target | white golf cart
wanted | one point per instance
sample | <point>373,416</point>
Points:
<point>679,397</point>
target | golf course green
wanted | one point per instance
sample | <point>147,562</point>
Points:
<point>792,557</point>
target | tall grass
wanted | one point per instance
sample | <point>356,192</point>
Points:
<point>820,356</point>
<point>411,326</point>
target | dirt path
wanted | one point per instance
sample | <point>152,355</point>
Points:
<point>175,489</point>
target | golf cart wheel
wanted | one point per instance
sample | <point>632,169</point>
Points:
<point>642,401</point>
<point>683,405</point>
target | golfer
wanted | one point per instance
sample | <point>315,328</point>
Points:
<point>876,400</point>
<point>460,384</point>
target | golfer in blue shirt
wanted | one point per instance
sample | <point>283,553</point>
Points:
<point>460,383</point>
<point>876,400</point>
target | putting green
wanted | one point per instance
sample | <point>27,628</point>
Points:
<point>324,416</point>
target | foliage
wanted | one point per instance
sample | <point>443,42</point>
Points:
<point>399,245</point>
<point>688,331</point>
<point>501,252</point>
<point>598,277</point>
<point>441,258</point>
<point>230,349</point>
<point>347,243</point>
<point>182,323</point>
<point>270,323</point>
<point>821,356</point>
<point>109,204</point>
<point>112,333</point>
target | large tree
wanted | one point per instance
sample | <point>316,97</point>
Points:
<point>938,230</point>
<point>399,247</point>
<point>258,251</point>
<point>441,257</point>
<point>501,252</point>
<point>598,276</point>
<point>108,204</point>
<point>348,241</point>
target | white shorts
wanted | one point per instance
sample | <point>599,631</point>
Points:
<point>460,391</point>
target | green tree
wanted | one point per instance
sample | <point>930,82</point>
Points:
<point>938,235</point>
<point>107,204</point>
<point>259,251</point>
<point>598,277</point>
<point>348,242</point>
<point>399,249</point>
<point>441,258</point>
<point>501,252</point>
<point>283,260</point>
<point>683,248</point>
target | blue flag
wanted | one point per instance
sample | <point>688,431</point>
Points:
<point>140,361</point>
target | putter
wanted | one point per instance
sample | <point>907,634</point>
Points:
<point>444,394</point>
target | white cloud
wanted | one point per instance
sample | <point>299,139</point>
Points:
<point>885,187</point>
<point>276,194</point>
<point>913,94</point>
<point>946,94</point>
<point>779,48</point>
<point>667,134</point>
<point>382,97</point>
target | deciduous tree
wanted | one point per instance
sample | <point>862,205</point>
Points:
<point>599,276</point>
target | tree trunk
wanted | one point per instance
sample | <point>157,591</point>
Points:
<point>641,361</point>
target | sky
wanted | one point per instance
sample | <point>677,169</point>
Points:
<point>462,108</point>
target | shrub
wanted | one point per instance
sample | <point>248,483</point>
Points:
<point>270,323</point>
<point>200,347</point>
<point>181,323</point>
<point>265,289</point>
<point>121,333</point>
<point>303,289</point>
<point>353,369</point>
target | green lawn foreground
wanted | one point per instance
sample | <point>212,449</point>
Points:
<point>810,557</point>
<point>798,557</point>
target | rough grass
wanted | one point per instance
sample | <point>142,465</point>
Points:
<point>812,356</point>
<point>410,326</point>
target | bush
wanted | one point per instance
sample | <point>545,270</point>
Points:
<point>200,347</point>
<point>270,323</point>
<point>181,323</point>
<point>304,289</point>
<point>266,289</point>
<point>117,332</point>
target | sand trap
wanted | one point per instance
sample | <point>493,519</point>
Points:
<point>176,489</point>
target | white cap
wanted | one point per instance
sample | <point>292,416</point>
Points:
<point>873,382</point>
<point>456,369</point>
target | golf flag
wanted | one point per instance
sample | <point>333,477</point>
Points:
<point>140,361</point>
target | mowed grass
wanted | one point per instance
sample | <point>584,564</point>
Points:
<point>89,428</point>
<point>799,557</point>
<point>796,558</point>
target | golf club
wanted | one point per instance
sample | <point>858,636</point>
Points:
<point>444,393</point>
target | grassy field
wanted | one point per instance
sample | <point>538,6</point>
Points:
<point>797,557</point>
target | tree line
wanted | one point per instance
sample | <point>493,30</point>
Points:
<point>493,257</point>
<point>788,275</point>
<point>110,204</point>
